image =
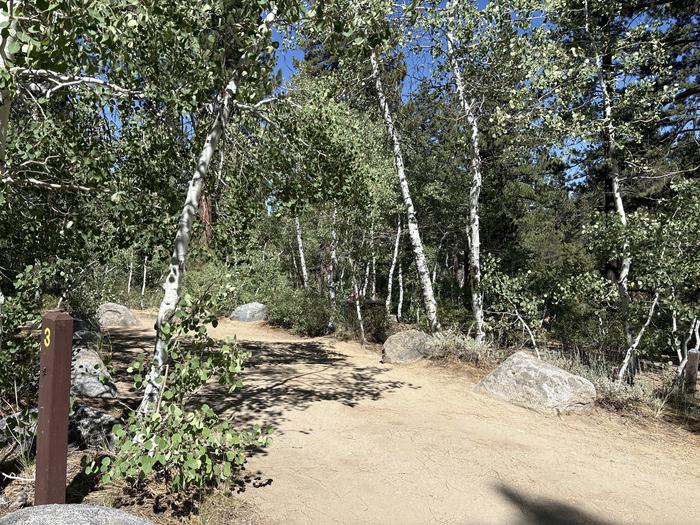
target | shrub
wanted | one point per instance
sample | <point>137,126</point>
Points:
<point>19,362</point>
<point>212,278</point>
<point>304,312</point>
<point>374,320</point>
<point>452,344</point>
<point>183,442</point>
<point>610,393</point>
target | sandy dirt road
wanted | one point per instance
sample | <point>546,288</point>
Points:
<point>360,442</point>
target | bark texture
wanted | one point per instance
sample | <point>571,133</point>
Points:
<point>6,62</point>
<point>302,258</point>
<point>392,268</point>
<point>173,282</point>
<point>469,110</point>
<point>412,222</point>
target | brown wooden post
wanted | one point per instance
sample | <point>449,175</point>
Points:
<point>54,392</point>
<point>691,370</point>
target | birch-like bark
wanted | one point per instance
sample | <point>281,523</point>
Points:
<point>6,62</point>
<point>393,267</point>
<point>2,317</point>
<point>358,307</point>
<point>399,306</point>
<point>332,291</point>
<point>302,259</point>
<point>143,283</point>
<point>611,153</point>
<point>675,341</point>
<point>633,347</point>
<point>437,257</point>
<point>412,221</point>
<point>365,283</point>
<point>374,262</point>
<point>468,107</point>
<point>694,329</point>
<point>131,273</point>
<point>173,282</point>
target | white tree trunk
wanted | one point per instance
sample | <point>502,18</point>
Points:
<point>373,262</point>
<point>469,107</point>
<point>675,340</point>
<point>131,272</point>
<point>2,317</point>
<point>173,282</point>
<point>365,283</point>
<point>399,306</point>
<point>694,329</point>
<point>393,267</point>
<point>437,257</point>
<point>332,292</point>
<point>6,62</point>
<point>143,283</point>
<point>412,221</point>
<point>302,259</point>
<point>633,347</point>
<point>358,307</point>
<point>611,155</point>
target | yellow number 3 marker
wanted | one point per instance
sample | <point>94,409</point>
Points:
<point>47,337</point>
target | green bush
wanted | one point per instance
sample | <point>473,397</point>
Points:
<point>304,312</point>
<point>19,362</point>
<point>183,442</point>
<point>215,279</point>
<point>374,320</point>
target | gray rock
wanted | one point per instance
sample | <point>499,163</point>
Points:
<point>89,375</point>
<point>92,428</point>
<point>86,337</point>
<point>112,315</point>
<point>408,345</point>
<point>524,380</point>
<point>71,515</point>
<point>250,312</point>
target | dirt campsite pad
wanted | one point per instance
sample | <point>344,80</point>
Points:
<point>360,442</point>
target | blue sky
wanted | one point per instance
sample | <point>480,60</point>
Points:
<point>418,66</point>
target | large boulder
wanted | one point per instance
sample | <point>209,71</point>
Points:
<point>250,312</point>
<point>408,345</point>
<point>527,381</point>
<point>91,428</point>
<point>89,375</point>
<point>111,315</point>
<point>71,515</point>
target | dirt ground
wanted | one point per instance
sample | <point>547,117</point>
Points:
<point>360,442</point>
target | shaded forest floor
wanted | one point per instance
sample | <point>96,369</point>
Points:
<point>360,442</point>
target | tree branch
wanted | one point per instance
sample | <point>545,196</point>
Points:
<point>61,81</point>
<point>44,184</point>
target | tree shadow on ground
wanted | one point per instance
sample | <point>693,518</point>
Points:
<point>284,377</point>
<point>277,379</point>
<point>543,511</point>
